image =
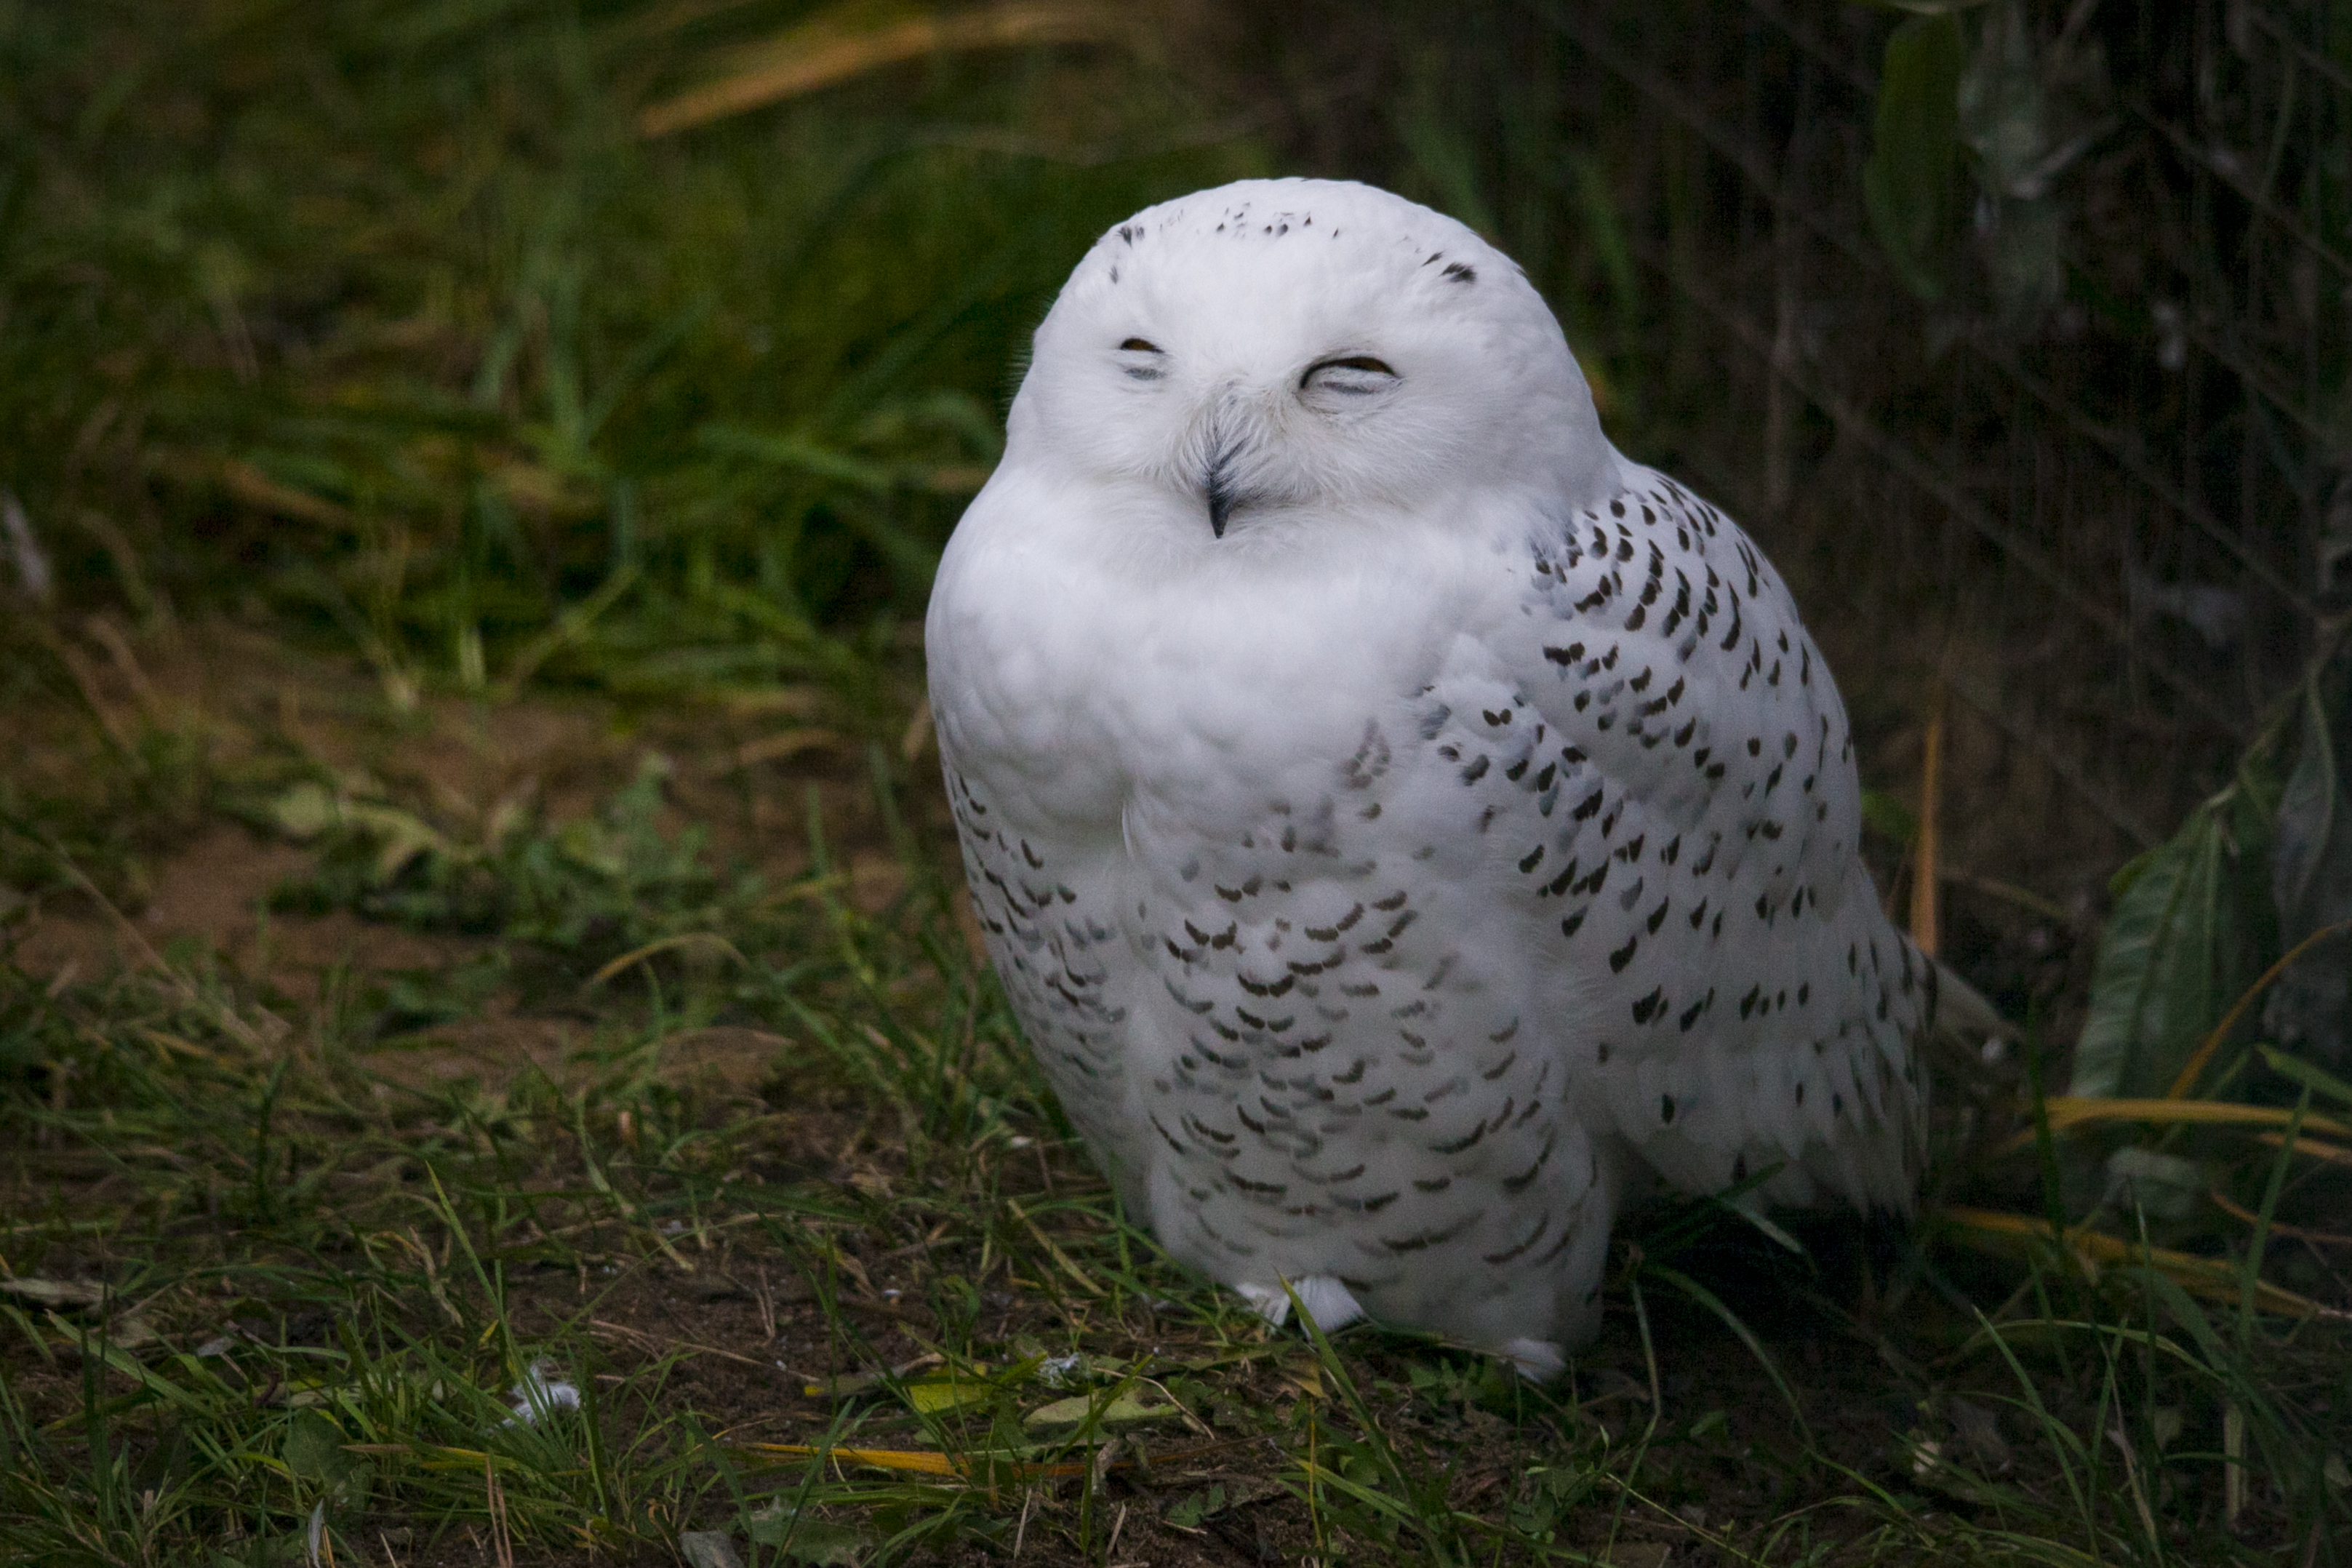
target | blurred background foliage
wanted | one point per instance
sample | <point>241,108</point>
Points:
<point>653,346</point>
<point>397,318</point>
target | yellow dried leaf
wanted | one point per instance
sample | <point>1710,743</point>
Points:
<point>918,1461</point>
<point>2205,1277</point>
<point>827,49</point>
<point>2078,1110</point>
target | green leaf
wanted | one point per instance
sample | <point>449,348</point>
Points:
<point>2325,1084</point>
<point>934,1396</point>
<point>2190,931</point>
<point>304,811</point>
<point>805,1539</point>
<point>2311,879</point>
<point>1125,1410</point>
<point>590,843</point>
<point>314,1449</point>
<point>401,838</point>
<point>1910,186</point>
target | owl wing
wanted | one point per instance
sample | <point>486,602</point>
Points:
<point>1673,806</point>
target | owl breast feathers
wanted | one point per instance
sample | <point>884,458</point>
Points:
<point>1400,822</point>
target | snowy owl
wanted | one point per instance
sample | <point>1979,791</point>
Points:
<point>1404,826</point>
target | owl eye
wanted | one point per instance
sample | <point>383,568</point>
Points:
<point>1142,369</point>
<point>1352,375</point>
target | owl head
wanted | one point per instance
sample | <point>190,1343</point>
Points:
<point>1276,351</point>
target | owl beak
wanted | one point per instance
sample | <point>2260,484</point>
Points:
<point>1217,483</point>
<point>1220,504</point>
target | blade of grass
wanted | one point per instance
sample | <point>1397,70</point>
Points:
<point>2194,1067</point>
<point>2202,1276</point>
<point>2251,1266</point>
<point>1731,1320</point>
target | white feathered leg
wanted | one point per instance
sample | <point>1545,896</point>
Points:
<point>1538,1361</point>
<point>1330,1303</point>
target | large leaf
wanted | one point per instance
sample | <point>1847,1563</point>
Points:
<point>2192,930</point>
<point>803,1538</point>
<point>314,1450</point>
<point>2311,870</point>
<point>1910,184</point>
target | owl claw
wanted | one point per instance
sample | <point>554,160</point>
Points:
<point>1322,1298</point>
<point>1268,1301</point>
<point>1538,1361</point>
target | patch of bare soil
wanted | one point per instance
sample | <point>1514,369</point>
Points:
<point>747,773</point>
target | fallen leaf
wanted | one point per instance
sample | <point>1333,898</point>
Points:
<point>56,1292</point>
<point>1637,1554</point>
<point>1127,1410</point>
<point>933,1396</point>
<point>805,1539</point>
<point>708,1549</point>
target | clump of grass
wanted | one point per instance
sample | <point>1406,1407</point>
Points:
<point>405,327</point>
<point>595,886</point>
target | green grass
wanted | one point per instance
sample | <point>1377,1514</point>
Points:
<point>267,1272</point>
<point>388,317</point>
<point>382,398</point>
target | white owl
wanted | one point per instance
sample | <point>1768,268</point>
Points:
<point>1403,825</point>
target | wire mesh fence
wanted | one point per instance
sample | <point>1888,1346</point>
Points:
<point>2017,332</point>
<point>2101,459</point>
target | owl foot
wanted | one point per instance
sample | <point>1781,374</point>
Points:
<point>1324,1299</point>
<point>1538,1361</point>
